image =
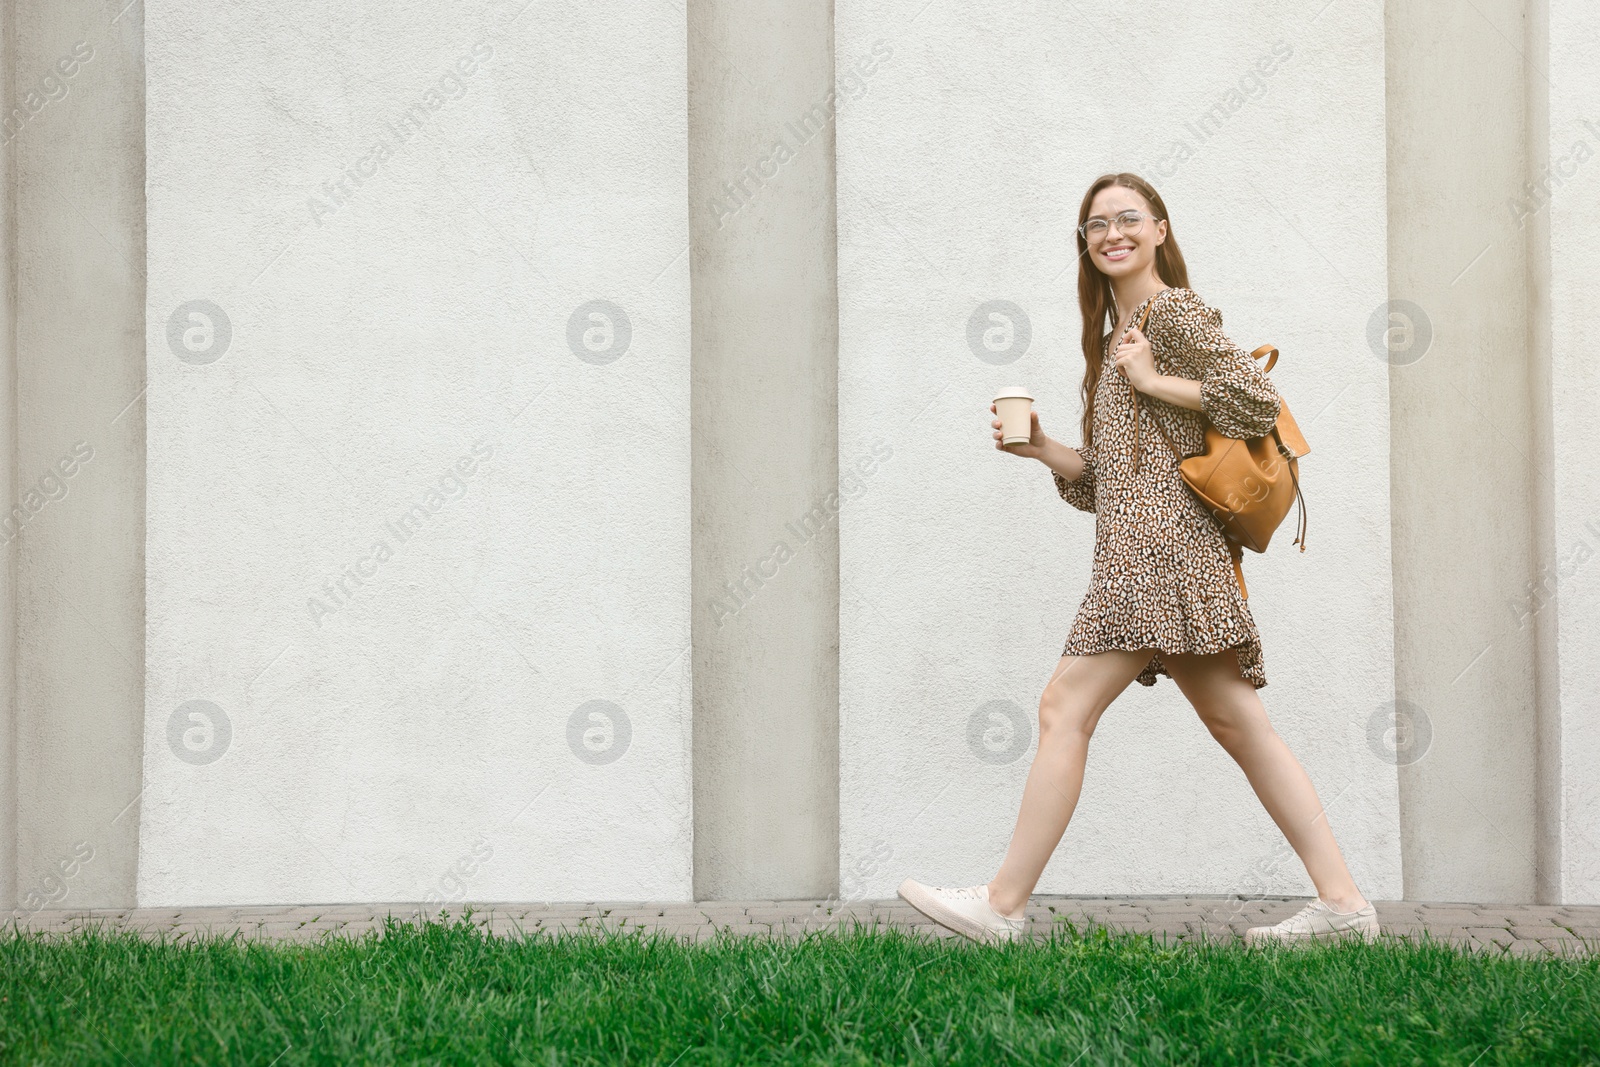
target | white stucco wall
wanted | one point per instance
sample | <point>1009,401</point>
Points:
<point>1569,585</point>
<point>960,175</point>
<point>422,336</point>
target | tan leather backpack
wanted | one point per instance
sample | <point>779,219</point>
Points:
<point>1246,485</point>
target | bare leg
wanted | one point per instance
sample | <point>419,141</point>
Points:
<point>1079,690</point>
<point>1232,711</point>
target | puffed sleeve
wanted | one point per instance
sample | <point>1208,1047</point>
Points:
<point>1080,493</point>
<point>1235,394</point>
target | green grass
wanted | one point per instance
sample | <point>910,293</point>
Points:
<point>445,992</point>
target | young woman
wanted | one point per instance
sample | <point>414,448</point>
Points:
<point>1163,597</point>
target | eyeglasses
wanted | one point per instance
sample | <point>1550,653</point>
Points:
<point>1128,223</point>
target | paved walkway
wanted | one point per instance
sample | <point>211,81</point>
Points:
<point>1518,929</point>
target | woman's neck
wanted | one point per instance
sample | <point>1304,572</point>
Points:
<point>1129,293</point>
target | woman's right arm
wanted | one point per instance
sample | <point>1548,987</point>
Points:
<point>1072,468</point>
<point>1070,463</point>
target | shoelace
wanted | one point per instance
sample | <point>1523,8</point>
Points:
<point>1317,906</point>
<point>972,893</point>
<point>1294,920</point>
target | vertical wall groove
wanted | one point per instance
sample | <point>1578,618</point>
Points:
<point>74,521</point>
<point>1464,641</point>
<point>765,449</point>
<point>8,478</point>
<point>1545,675</point>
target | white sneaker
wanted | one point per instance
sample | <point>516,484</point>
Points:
<point>1317,921</point>
<point>966,911</point>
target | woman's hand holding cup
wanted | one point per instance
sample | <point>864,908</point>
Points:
<point>1033,446</point>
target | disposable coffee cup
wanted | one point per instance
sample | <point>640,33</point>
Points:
<point>1014,406</point>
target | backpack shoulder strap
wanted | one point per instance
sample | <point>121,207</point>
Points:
<point>1137,447</point>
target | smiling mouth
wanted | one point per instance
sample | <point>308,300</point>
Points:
<point>1119,253</point>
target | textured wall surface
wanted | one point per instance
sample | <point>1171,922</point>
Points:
<point>416,366</point>
<point>960,175</point>
<point>418,553</point>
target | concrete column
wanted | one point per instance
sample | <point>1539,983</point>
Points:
<point>1465,475</point>
<point>74,524</point>
<point>765,452</point>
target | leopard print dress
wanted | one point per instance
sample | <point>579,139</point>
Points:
<point>1163,577</point>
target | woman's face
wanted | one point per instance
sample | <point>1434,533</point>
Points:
<point>1118,254</point>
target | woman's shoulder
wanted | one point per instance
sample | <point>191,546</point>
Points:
<point>1179,298</point>
<point>1183,306</point>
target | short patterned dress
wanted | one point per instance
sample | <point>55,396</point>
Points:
<point>1163,577</point>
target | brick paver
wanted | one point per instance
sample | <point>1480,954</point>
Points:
<point>1515,929</point>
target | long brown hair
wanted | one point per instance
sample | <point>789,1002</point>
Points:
<point>1094,288</point>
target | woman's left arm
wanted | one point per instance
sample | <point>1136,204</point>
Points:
<point>1224,382</point>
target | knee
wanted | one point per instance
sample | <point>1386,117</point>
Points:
<point>1063,716</point>
<point>1234,731</point>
